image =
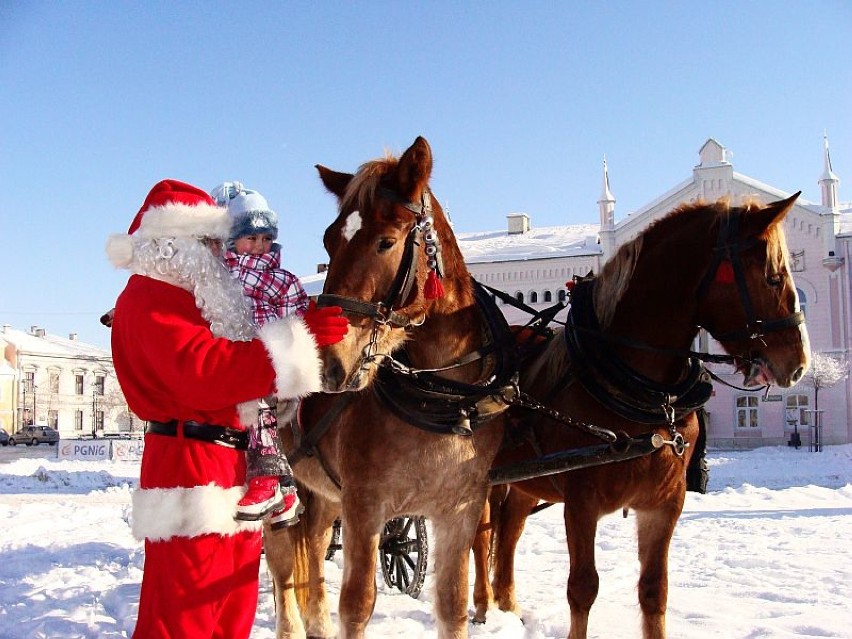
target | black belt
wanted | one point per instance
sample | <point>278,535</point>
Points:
<point>210,433</point>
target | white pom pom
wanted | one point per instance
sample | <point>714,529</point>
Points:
<point>119,250</point>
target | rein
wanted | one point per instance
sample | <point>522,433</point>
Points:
<point>728,251</point>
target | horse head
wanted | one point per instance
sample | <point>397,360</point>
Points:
<point>392,261</point>
<point>747,298</point>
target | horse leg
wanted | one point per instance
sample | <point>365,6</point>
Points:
<point>510,524</point>
<point>483,595</point>
<point>581,525</point>
<point>654,529</point>
<point>454,538</point>
<point>316,610</point>
<point>361,528</point>
<point>279,549</point>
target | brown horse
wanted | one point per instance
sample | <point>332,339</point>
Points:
<point>623,363</point>
<point>405,437</point>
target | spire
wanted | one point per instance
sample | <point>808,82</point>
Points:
<point>607,202</point>
<point>828,181</point>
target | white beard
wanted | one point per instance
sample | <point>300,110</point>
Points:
<point>187,263</point>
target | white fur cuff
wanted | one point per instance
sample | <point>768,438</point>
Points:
<point>294,357</point>
<point>162,513</point>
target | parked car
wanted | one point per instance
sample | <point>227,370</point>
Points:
<point>35,435</point>
<point>4,437</point>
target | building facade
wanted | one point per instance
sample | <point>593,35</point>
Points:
<point>60,382</point>
<point>534,264</point>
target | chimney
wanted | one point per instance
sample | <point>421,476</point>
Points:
<point>36,331</point>
<point>72,337</point>
<point>519,223</point>
<point>6,328</point>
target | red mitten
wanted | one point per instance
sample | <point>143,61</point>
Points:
<point>327,324</point>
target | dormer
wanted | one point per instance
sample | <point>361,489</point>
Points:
<point>712,154</point>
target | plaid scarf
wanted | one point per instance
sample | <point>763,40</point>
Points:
<point>274,292</point>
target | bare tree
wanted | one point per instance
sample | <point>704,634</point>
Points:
<point>825,372</point>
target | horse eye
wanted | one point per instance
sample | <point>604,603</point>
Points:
<point>386,243</point>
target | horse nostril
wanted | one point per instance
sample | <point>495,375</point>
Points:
<point>798,374</point>
<point>334,375</point>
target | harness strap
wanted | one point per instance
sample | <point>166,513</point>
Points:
<point>208,433</point>
<point>308,439</point>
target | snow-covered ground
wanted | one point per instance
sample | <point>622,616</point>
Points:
<point>766,553</point>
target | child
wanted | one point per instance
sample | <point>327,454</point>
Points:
<point>255,260</point>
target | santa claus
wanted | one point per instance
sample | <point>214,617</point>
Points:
<point>186,356</point>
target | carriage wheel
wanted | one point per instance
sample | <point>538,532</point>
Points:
<point>405,552</point>
<point>334,545</point>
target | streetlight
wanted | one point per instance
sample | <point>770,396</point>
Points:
<point>94,411</point>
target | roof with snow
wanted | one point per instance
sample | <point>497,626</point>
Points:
<point>36,343</point>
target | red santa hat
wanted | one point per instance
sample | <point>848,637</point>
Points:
<point>172,209</point>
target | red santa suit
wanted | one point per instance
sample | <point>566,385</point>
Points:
<point>201,565</point>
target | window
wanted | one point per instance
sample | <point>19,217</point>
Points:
<point>29,381</point>
<point>548,296</point>
<point>562,296</point>
<point>78,420</point>
<point>534,297</point>
<point>747,411</point>
<point>796,414</point>
<point>803,301</point>
<point>78,383</point>
<point>53,419</point>
<point>53,381</point>
<point>99,385</point>
<point>520,297</point>
<point>99,420</point>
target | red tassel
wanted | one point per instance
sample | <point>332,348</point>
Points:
<point>725,273</point>
<point>569,285</point>
<point>433,288</point>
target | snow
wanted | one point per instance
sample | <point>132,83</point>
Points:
<point>764,554</point>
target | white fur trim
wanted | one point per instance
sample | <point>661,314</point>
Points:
<point>248,413</point>
<point>182,220</point>
<point>294,357</point>
<point>162,513</point>
<point>119,250</point>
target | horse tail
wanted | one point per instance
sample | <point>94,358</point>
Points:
<point>496,500</point>
<point>301,564</point>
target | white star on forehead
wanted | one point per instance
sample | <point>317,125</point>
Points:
<point>353,224</point>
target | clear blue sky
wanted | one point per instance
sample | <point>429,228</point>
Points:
<point>519,100</point>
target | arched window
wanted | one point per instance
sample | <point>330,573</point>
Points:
<point>533,298</point>
<point>803,300</point>
<point>520,297</point>
<point>548,296</point>
<point>561,295</point>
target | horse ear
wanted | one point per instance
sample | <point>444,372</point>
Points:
<point>757,221</point>
<point>335,182</point>
<point>414,168</point>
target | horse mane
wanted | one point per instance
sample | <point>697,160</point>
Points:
<point>361,190</point>
<point>614,279</point>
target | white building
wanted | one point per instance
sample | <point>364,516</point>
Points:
<point>61,382</point>
<point>534,264</point>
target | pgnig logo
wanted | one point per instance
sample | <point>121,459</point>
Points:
<point>72,449</point>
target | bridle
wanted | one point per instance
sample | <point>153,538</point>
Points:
<point>728,250</point>
<point>383,312</point>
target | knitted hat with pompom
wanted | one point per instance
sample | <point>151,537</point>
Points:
<point>249,211</point>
